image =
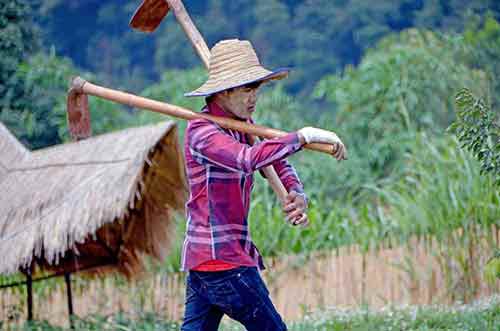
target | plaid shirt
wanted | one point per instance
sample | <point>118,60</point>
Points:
<point>220,165</point>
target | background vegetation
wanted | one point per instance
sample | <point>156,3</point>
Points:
<point>383,75</point>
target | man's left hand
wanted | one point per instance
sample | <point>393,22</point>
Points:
<point>295,208</point>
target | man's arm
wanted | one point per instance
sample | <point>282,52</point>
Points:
<point>210,145</point>
<point>288,175</point>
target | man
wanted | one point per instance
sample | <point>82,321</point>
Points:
<point>218,251</point>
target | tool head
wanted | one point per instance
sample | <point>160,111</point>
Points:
<point>149,15</point>
<point>78,114</point>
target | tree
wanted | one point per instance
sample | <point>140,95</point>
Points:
<point>483,39</point>
<point>18,40</point>
<point>39,111</point>
<point>315,37</point>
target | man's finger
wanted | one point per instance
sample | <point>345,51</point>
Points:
<point>303,220</point>
<point>289,207</point>
<point>337,151</point>
<point>335,148</point>
<point>340,153</point>
<point>294,214</point>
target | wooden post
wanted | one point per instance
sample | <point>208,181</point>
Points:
<point>29,286</point>
<point>70,298</point>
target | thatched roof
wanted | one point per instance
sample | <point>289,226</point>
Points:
<point>106,200</point>
<point>11,150</point>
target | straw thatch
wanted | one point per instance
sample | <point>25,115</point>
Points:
<point>11,150</point>
<point>106,201</point>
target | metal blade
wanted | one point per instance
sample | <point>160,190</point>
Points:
<point>149,15</point>
<point>78,115</point>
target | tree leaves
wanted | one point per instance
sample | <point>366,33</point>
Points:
<point>478,132</point>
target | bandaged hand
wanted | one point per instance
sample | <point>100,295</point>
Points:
<point>314,135</point>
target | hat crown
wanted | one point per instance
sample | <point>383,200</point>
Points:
<point>230,57</point>
<point>234,63</point>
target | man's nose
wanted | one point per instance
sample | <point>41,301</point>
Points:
<point>253,95</point>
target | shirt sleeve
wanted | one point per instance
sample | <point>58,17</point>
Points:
<point>209,144</point>
<point>286,172</point>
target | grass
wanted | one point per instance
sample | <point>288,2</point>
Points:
<point>483,315</point>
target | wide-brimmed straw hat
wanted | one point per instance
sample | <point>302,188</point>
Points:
<point>234,63</point>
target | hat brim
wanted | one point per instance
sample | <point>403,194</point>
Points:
<point>277,74</point>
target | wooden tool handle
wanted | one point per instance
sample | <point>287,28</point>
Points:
<point>191,31</point>
<point>82,86</point>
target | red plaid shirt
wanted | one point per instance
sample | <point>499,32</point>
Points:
<point>220,165</point>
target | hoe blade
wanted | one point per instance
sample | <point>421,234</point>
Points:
<point>149,15</point>
<point>78,115</point>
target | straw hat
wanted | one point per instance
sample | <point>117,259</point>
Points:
<point>234,63</point>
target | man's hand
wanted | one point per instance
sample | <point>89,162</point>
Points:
<point>295,208</point>
<point>314,135</point>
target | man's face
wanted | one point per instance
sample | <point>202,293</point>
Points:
<point>240,101</point>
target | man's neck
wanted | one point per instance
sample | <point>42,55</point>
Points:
<point>227,112</point>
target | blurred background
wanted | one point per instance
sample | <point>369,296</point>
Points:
<point>381,74</point>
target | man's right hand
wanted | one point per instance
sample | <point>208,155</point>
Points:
<point>313,135</point>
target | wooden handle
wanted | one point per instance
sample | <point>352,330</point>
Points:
<point>191,31</point>
<point>273,179</point>
<point>125,98</point>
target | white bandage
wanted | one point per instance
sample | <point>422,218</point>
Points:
<point>314,135</point>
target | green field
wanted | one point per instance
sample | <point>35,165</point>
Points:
<point>482,315</point>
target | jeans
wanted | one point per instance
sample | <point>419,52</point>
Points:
<point>240,293</point>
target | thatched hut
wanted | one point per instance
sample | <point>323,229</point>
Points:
<point>99,204</point>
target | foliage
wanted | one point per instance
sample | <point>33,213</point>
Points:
<point>314,37</point>
<point>483,51</point>
<point>441,192</point>
<point>443,199</point>
<point>478,132</point>
<point>480,316</point>
<point>144,321</point>
<point>492,268</point>
<point>402,86</point>
<point>18,38</point>
<point>170,89</point>
<point>36,116</point>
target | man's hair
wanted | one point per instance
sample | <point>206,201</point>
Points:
<point>252,85</point>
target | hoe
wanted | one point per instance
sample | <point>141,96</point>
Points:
<point>147,18</point>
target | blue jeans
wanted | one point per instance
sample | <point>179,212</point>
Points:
<point>240,293</point>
